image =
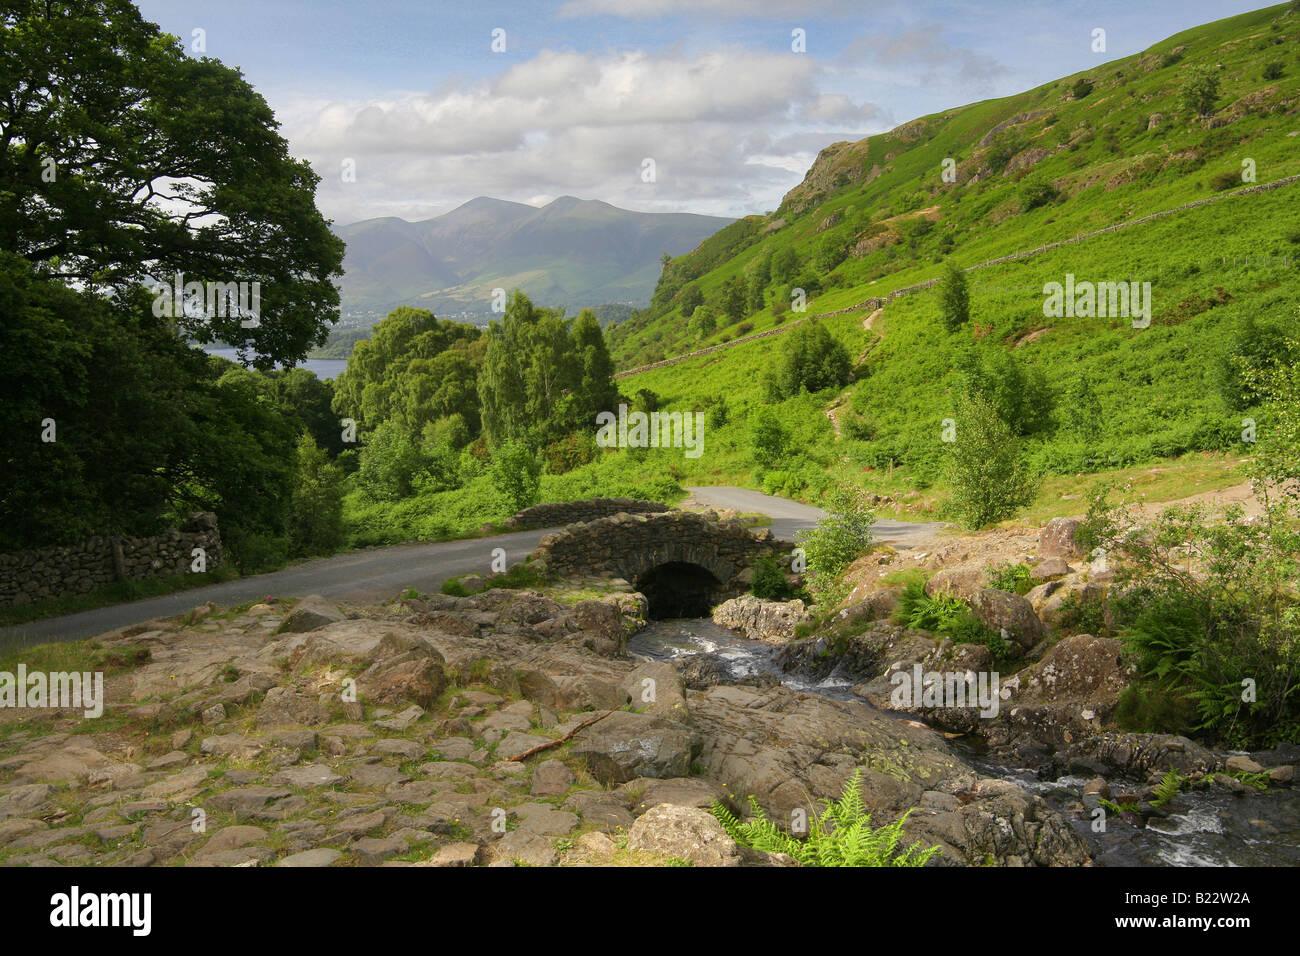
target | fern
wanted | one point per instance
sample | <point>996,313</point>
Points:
<point>840,835</point>
<point>1169,787</point>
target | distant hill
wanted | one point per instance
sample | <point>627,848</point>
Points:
<point>571,252</point>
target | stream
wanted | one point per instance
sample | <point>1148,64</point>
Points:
<point>1205,828</point>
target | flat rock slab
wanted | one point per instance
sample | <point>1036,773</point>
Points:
<point>544,820</point>
<point>321,856</point>
<point>308,775</point>
<point>247,799</point>
<point>524,847</point>
<point>516,743</point>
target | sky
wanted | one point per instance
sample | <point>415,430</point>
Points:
<point>409,109</point>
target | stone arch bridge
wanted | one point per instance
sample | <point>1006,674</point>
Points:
<point>682,561</point>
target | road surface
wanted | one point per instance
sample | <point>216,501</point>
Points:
<point>791,516</point>
<point>377,574</point>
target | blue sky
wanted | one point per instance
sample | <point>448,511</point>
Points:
<point>413,96</point>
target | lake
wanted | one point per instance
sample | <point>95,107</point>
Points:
<point>321,368</point>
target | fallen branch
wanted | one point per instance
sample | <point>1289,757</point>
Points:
<point>555,743</point>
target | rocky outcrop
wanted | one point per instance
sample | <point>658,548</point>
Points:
<point>772,622</point>
<point>400,734</point>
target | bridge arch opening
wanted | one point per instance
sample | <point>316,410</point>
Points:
<point>679,589</point>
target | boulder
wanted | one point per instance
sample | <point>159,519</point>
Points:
<point>1059,539</point>
<point>656,688</point>
<point>958,582</point>
<point>624,746</point>
<point>550,779</point>
<point>772,622</point>
<point>1051,568</point>
<point>585,692</point>
<point>684,833</point>
<point>1002,611</point>
<point>411,682</point>
<point>311,613</point>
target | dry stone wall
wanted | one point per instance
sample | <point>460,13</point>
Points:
<point>30,576</point>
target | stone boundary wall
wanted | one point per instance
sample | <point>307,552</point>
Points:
<point>878,302</point>
<point>30,576</point>
<point>557,513</point>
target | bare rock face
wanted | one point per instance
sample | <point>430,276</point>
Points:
<point>685,833</point>
<point>772,622</point>
<point>1059,539</point>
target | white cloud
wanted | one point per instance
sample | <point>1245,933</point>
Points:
<point>576,123</point>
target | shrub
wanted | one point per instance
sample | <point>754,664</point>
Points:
<point>1200,89</point>
<point>1208,613</point>
<point>1225,180</point>
<point>316,506</point>
<point>954,297</point>
<point>516,472</point>
<point>1082,88</point>
<point>769,581</point>
<point>839,835</point>
<point>843,535</point>
<point>989,474</point>
<point>1274,70</point>
<point>769,438</point>
<point>1036,191</point>
<point>944,614</point>
<point>1010,577</point>
<point>811,360</point>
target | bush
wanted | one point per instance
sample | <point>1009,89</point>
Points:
<point>1082,88</point>
<point>954,297</point>
<point>1274,70</point>
<point>1036,191</point>
<point>843,535</point>
<point>811,360</point>
<point>316,506</point>
<point>1200,89</point>
<point>1015,578</point>
<point>516,472</point>
<point>1225,180</point>
<point>840,835</point>
<point>1219,635</point>
<point>768,437</point>
<point>943,614</point>
<point>990,476</point>
<point>769,581</point>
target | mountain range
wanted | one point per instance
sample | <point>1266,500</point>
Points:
<point>571,252</point>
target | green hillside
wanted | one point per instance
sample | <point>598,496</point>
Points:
<point>1031,170</point>
<point>876,214</point>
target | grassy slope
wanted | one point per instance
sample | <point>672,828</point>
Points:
<point>1154,384</point>
<point>1102,157</point>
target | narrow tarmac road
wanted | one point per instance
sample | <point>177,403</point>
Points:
<point>376,574</point>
